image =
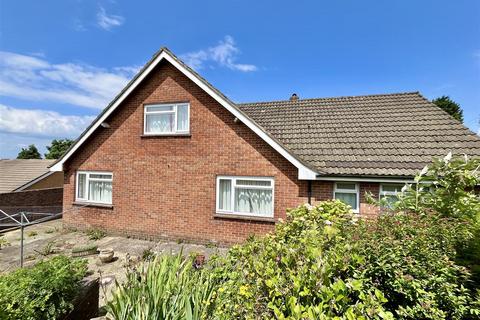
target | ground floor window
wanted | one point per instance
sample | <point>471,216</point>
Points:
<point>389,193</point>
<point>348,192</point>
<point>245,196</point>
<point>95,187</point>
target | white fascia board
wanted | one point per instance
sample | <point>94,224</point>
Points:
<point>366,179</point>
<point>304,173</point>
<point>59,165</point>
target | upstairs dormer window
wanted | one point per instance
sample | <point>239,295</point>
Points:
<point>167,119</point>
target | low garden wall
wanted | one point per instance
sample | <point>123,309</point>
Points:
<point>85,305</point>
<point>43,200</point>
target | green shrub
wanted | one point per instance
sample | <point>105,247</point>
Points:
<point>44,291</point>
<point>447,187</point>
<point>166,288</point>
<point>322,264</point>
<point>307,268</point>
<point>95,234</point>
<point>410,258</point>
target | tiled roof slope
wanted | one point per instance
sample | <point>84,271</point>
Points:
<point>375,135</point>
<point>16,173</point>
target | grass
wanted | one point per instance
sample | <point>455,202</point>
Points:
<point>95,234</point>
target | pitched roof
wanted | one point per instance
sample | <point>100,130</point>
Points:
<point>374,135</point>
<point>304,171</point>
<point>18,172</point>
<point>389,135</point>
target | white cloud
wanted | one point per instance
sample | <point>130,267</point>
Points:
<point>107,22</point>
<point>224,54</point>
<point>41,122</point>
<point>11,144</point>
<point>31,78</point>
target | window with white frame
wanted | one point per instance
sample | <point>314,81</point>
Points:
<point>167,118</point>
<point>245,196</point>
<point>389,192</point>
<point>348,192</point>
<point>94,187</point>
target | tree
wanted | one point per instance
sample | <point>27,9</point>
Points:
<point>449,106</point>
<point>58,148</point>
<point>29,153</point>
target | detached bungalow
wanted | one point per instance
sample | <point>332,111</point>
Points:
<point>172,157</point>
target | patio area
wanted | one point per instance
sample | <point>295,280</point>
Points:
<point>47,239</point>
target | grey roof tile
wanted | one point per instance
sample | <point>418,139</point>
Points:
<point>15,173</point>
<point>375,135</point>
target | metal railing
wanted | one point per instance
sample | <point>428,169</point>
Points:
<point>23,219</point>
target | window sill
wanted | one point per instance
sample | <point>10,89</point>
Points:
<point>183,135</point>
<point>243,217</point>
<point>93,204</point>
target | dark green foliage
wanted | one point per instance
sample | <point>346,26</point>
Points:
<point>31,152</point>
<point>411,259</point>
<point>44,291</point>
<point>448,187</point>
<point>58,148</point>
<point>450,106</point>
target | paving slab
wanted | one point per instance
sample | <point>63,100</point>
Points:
<point>51,235</point>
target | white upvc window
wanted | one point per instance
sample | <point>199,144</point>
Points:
<point>349,193</point>
<point>166,119</point>
<point>94,187</point>
<point>249,196</point>
<point>389,192</point>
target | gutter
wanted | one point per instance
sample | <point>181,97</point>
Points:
<point>381,179</point>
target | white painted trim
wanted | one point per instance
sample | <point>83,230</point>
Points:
<point>233,180</point>
<point>389,193</point>
<point>175,118</point>
<point>37,179</point>
<point>361,179</point>
<point>304,173</point>
<point>87,185</point>
<point>356,191</point>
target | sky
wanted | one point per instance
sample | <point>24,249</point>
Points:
<point>61,62</point>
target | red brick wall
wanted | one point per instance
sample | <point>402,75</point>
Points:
<point>323,190</point>
<point>366,209</point>
<point>164,187</point>
<point>44,200</point>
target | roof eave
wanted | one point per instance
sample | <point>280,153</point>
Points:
<point>366,178</point>
<point>304,171</point>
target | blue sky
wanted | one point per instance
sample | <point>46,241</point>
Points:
<point>62,61</point>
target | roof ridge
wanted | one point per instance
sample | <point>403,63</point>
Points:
<point>336,98</point>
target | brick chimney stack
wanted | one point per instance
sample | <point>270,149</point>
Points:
<point>294,97</point>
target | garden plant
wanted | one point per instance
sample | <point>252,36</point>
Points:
<point>418,260</point>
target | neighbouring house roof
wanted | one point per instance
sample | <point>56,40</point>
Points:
<point>375,135</point>
<point>16,173</point>
<point>390,135</point>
